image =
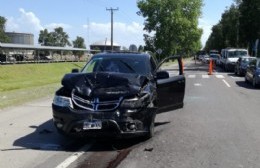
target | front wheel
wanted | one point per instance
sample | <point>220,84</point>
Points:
<point>150,132</point>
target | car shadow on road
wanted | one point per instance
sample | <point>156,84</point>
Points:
<point>46,137</point>
<point>111,144</point>
<point>246,85</point>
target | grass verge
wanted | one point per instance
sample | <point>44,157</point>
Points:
<point>22,83</point>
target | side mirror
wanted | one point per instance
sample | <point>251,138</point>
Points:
<point>162,75</point>
<point>75,70</point>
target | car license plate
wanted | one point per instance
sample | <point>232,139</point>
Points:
<point>89,125</point>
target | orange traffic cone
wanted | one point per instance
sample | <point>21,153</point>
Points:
<point>182,65</point>
<point>210,67</point>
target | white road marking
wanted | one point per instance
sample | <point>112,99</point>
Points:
<point>74,156</point>
<point>220,76</point>
<point>235,77</point>
<point>226,83</point>
<point>191,76</point>
<point>205,76</point>
<point>197,84</point>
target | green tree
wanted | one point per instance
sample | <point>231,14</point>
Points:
<point>215,40</point>
<point>230,27</point>
<point>149,43</point>
<point>56,38</point>
<point>79,43</point>
<point>238,27</point>
<point>226,32</point>
<point>249,22</point>
<point>44,37</point>
<point>174,24</point>
<point>60,37</point>
<point>124,48</point>
<point>140,48</point>
<point>3,37</point>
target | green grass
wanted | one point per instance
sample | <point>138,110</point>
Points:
<point>25,82</point>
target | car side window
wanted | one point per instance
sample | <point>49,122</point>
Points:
<point>172,67</point>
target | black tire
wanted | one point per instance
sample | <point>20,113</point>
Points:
<point>239,73</point>
<point>150,130</point>
<point>246,80</point>
<point>225,68</point>
<point>254,82</point>
<point>235,71</point>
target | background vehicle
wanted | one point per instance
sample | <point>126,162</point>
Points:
<point>230,56</point>
<point>215,58</point>
<point>116,94</point>
<point>213,52</point>
<point>200,54</point>
<point>7,58</point>
<point>206,59</point>
<point>241,65</point>
<point>253,72</point>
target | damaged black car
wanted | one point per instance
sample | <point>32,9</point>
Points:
<point>116,95</point>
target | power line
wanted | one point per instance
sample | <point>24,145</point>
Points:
<point>112,12</point>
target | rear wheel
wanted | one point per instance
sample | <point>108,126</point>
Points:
<point>239,72</point>
<point>254,82</point>
<point>246,80</point>
<point>225,68</point>
<point>236,71</point>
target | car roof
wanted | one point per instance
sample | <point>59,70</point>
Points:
<point>236,49</point>
<point>247,57</point>
<point>122,54</point>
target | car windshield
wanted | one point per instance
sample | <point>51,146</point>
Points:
<point>237,53</point>
<point>133,64</point>
<point>214,56</point>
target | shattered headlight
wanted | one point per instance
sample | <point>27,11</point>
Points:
<point>135,102</point>
<point>62,101</point>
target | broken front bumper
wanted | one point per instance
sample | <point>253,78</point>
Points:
<point>118,123</point>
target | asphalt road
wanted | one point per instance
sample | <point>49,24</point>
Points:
<point>219,127</point>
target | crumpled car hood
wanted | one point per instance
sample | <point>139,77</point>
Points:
<point>104,85</point>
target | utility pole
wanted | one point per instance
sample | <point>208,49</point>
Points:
<point>112,12</point>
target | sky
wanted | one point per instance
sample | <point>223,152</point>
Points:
<point>91,20</point>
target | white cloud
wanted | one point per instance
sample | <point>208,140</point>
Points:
<point>29,20</point>
<point>52,26</point>
<point>11,24</point>
<point>124,34</point>
<point>206,26</point>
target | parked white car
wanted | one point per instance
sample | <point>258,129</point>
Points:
<point>206,59</point>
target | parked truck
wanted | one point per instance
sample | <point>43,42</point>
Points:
<point>229,57</point>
